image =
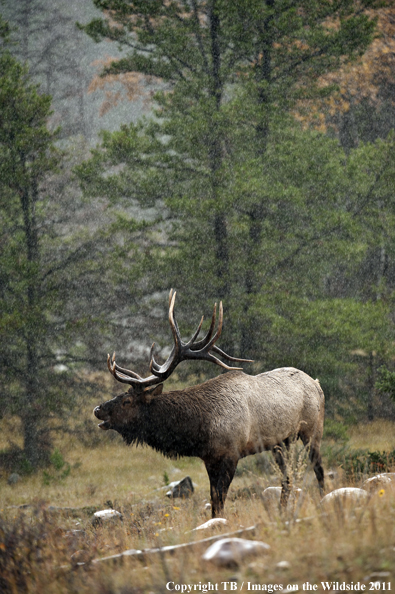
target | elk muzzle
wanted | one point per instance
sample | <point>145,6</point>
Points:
<point>103,416</point>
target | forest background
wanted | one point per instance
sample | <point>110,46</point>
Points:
<point>247,156</point>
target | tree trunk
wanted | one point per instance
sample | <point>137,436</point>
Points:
<point>371,388</point>
<point>31,415</point>
<point>263,73</point>
<point>31,441</point>
<point>216,155</point>
<point>248,326</point>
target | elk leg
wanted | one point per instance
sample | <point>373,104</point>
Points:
<point>221,474</point>
<point>280,461</point>
<point>315,458</point>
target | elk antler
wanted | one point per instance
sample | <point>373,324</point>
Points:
<point>181,351</point>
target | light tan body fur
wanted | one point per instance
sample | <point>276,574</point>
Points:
<point>255,413</point>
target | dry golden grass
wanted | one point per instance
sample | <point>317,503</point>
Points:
<point>110,472</point>
<point>348,547</point>
<point>377,435</point>
<point>38,554</point>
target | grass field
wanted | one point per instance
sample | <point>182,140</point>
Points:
<point>39,552</point>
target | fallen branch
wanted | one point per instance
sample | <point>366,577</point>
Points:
<point>142,554</point>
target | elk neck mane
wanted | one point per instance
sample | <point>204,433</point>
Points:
<point>175,422</point>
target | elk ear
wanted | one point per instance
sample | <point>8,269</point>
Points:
<point>150,392</point>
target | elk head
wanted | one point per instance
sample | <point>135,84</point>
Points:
<point>123,411</point>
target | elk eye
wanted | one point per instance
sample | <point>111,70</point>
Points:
<point>127,402</point>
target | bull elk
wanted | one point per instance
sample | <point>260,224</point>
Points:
<point>222,420</point>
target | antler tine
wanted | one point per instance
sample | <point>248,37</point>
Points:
<point>204,353</point>
<point>152,364</point>
<point>154,367</point>
<point>162,371</point>
<point>213,359</point>
<point>120,376</point>
<point>219,329</point>
<point>170,296</point>
<point>219,351</point>
<point>202,343</point>
<point>179,347</point>
<point>172,316</point>
<point>175,357</point>
<point>194,337</point>
<point>174,327</point>
<point>109,363</point>
<point>137,380</point>
<point>126,372</point>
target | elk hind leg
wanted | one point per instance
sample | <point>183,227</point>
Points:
<point>278,454</point>
<point>220,473</point>
<point>316,460</point>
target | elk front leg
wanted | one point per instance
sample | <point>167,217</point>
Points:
<point>221,474</point>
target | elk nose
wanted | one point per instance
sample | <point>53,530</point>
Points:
<point>96,410</point>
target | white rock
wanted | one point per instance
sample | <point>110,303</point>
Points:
<point>344,496</point>
<point>375,483</point>
<point>175,470</point>
<point>272,493</point>
<point>13,478</point>
<point>183,488</point>
<point>275,492</point>
<point>283,565</point>
<point>211,524</point>
<point>229,552</point>
<point>105,515</point>
<point>271,498</point>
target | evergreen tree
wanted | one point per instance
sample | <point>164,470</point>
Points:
<point>27,155</point>
<point>201,49</point>
<point>255,211</point>
<point>52,268</point>
<point>50,44</point>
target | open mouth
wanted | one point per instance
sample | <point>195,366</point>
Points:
<point>104,425</point>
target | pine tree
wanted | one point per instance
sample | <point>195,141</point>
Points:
<point>27,155</point>
<point>202,51</point>
<point>256,211</point>
<point>53,271</point>
<point>48,41</point>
